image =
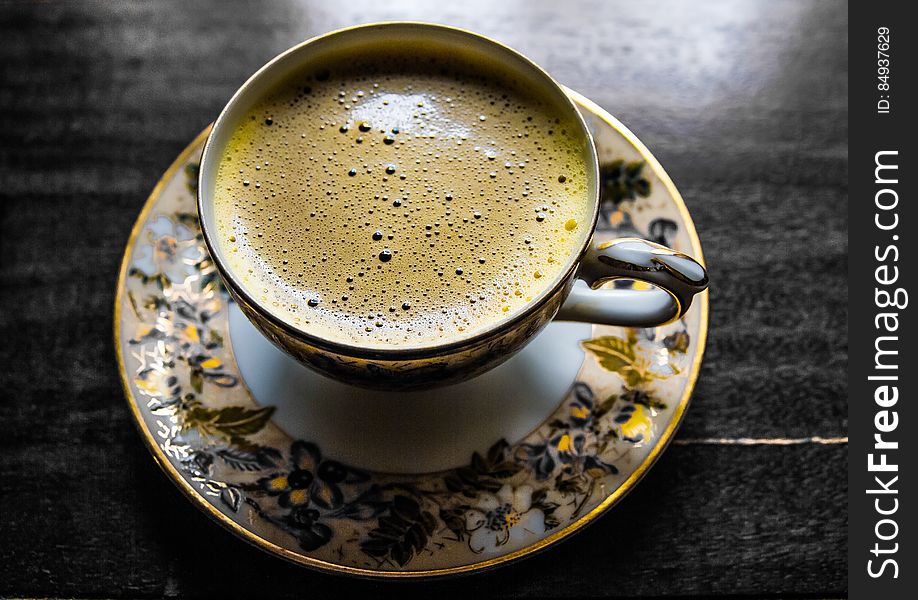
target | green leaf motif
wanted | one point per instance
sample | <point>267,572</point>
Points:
<point>216,340</point>
<point>402,533</point>
<point>191,177</point>
<point>230,422</point>
<point>617,356</point>
<point>189,220</point>
<point>623,181</point>
<point>677,342</point>
<point>197,380</point>
<point>613,353</point>
<point>605,406</point>
<point>454,519</point>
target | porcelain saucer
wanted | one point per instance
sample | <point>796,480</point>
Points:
<point>413,484</point>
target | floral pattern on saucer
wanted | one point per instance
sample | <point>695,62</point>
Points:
<point>224,450</point>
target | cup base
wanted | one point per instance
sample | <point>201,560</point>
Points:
<point>416,431</point>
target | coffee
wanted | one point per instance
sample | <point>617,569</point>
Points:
<point>401,199</point>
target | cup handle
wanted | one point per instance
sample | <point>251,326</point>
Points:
<point>676,278</point>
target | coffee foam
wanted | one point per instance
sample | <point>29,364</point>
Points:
<point>398,202</point>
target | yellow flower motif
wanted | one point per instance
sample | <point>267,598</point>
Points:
<point>579,411</point>
<point>298,497</point>
<point>192,332</point>
<point>155,381</point>
<point>638,425</point>
<point>211,363</point>
<point>150,387</point>
<point>564,444</point>
<point>278,484</point>
<point>143,330</point>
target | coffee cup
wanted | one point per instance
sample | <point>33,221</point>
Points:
<point>440,335</point>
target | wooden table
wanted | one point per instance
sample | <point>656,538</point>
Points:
<point>745,103</point>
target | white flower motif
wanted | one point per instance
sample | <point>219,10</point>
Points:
<point>155,380</point>
<point>505,518</point>
<point>172,249</point>
<point>653,358</point>
<point>189,300</point>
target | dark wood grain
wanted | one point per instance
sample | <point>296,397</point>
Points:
<point>745,104</point>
